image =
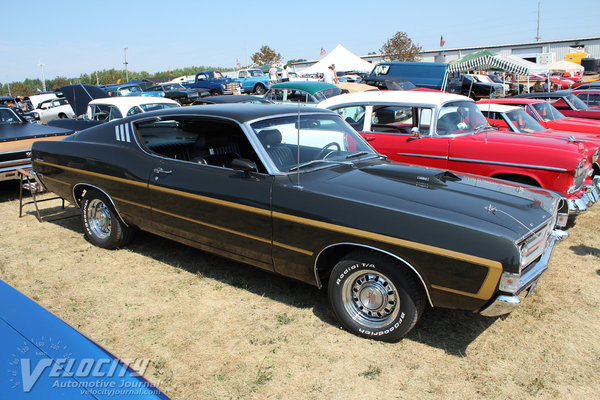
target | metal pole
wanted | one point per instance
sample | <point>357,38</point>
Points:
<point>126,73</point>
<point>537,37</point>
<point>43,79</point>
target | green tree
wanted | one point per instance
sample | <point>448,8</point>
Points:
<point>290,62</point>
<point>21,89</point>
<point>58,82</point>
<point>401,48</point>
<point>266,56</point>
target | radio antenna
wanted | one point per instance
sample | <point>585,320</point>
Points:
<point>298,147</point>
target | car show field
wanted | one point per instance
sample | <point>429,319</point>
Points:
<point>214,328</point>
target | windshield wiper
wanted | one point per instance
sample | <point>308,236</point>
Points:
<point>360,153</point>
<point>482,127</point>
<point>312,162</point>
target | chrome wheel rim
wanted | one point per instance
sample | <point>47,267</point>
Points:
<point>371,299</point>
<point>98,217</point>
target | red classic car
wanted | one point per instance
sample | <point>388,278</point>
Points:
<point>591,97</point>
<point>515,119</point>
<point>566,102</point>
<point>550,117</point>
<point>448,131</point>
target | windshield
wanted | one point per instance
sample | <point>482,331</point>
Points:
<point>173,86</point>
<point>307,141</point>
<point>576,102</point>
<point>157,106</point>
<point>325,94</point>
<point>7,116</point>
<point>255,72</point>
<point>460,117</point>
<point>547,111</point>
<point>215,75</point>
<point>523,121</point>
<point>129,90</point>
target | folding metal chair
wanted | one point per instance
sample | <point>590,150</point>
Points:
<point>31,183</point>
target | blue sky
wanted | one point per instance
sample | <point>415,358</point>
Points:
<point>79,36</point>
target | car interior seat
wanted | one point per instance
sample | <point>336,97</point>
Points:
<point>281,154</point>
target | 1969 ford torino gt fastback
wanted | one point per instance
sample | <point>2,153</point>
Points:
<point>300,193</point>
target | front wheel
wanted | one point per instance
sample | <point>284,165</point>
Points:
<point>215,92</point>
<point>101,224</point>
<point>375,297</point>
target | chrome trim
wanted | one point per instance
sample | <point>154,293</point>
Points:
<point>12,168</point>
<point>423,156</point>
<point>505,303</point>
<point>15,161</point>
<point>318,280</point>
<point>509,164</point>
<point>578,205</point>
<point>78,205</point>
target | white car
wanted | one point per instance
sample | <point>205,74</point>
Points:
<point>109,108</point>
<point>57,107</point>
<point>486,79</point>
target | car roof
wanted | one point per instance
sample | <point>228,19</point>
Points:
<point>130,101</point>
<point>546,95</point>
<point>230,98</point>
<point>240,112</point>
<point>502,108</point>
<point>395,96</point>
<point>511,100</point>
<point>311,87</point>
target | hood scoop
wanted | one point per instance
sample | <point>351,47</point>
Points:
<point>420,176</point>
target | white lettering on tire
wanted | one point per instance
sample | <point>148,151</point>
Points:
<point>351,268</point>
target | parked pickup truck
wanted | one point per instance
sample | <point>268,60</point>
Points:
<point>215,82</point>
<point>252,80</point>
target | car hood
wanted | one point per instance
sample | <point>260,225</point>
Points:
<point>538,142</point>
<point>11,132</point>
<point>80,95</point>
<point>577,123</point>
<point>464,200</point>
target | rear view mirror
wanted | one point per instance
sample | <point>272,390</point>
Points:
<point>414,132</point>
<point>243,164</point>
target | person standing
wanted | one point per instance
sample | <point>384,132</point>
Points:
<point>285,74</point>
<point>329,76</point>
<point>273,75</point>
<point>335,77</point>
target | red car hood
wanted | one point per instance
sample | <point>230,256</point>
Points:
<point>536,141</point>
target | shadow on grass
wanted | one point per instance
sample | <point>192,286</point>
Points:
<point>449,330</point>
<point>9,190</point>
<point>585,251</point>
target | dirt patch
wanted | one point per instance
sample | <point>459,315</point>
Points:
<point>218,329</point>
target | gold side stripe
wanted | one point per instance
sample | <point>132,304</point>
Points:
<point>212,200</point>
<point>57,181</point>
<point>478,295</point>
<point>292,248</point>
<point>132,203</point>
<point>103,176</point>
<point>485,292</point>
<point>260,239</point>
<point>494,267</point>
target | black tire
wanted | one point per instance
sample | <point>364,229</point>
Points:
<point>101,224</point>
<point>260,89</point>
<point>397,298</point>
<point>61,115</point>
<point>215,92</point>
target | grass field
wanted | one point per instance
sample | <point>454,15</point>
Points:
<point>216,329</point>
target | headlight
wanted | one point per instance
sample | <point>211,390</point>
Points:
<point>509,282</point>
<point>223,86</point>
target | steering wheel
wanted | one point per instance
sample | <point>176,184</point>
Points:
<point>321,153</point>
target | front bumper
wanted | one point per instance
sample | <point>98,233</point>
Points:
<point>589,196</point>
<point>505,303</point>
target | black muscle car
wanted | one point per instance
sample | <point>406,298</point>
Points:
<point>300,193</point>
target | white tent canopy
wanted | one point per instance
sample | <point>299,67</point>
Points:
<point>343,59</point>
<point>532,68</point>
<point>565,66</point>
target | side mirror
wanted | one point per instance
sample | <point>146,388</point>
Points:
<point>243,164</point>
<point>414,132</point>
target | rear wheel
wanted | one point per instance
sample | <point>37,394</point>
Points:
<point>260,89</point>
<point>61,115</point>
<point>215,92</point>
<point>374,297</point>
<point>101,224</point>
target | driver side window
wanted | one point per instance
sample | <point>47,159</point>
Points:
<point>353,115</point>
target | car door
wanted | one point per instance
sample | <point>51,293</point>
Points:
<point>389,129</point>
<point>208,203</point>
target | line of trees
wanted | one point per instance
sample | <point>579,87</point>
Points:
<point>398,48</point>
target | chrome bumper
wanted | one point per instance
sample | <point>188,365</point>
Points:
<point>505,303</point>
<point>591,196</point>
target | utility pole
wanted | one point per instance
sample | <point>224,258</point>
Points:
<point>537,37</point>
<point>43,79</point>
<point>126,73</point>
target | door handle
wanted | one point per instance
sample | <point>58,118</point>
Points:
<point>369,138</point>
<point>161,171</point>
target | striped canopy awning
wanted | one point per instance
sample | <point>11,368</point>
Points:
<point>484,60</point>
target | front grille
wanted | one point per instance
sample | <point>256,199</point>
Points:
<point>534,245</point>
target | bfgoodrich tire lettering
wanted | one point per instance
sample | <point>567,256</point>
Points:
<point>101,224</point>
<point>375,297</point>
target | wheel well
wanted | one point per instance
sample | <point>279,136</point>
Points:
<point>80,190</point>
<point>331,255</point>
<point>61,115</point>
<point>524,179</point>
